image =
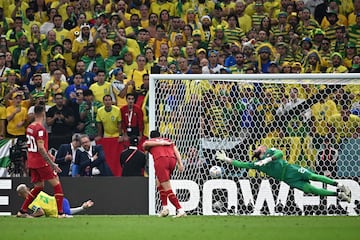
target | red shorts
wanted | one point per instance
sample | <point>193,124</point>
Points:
<point>164,166</point>
<point>42,174</point>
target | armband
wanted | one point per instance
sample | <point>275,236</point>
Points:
<point>35,209</point>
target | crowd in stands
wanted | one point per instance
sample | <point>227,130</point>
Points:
<point>89,61</point>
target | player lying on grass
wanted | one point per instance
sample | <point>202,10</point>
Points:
<point>271,162</point>
<point>45,204</point>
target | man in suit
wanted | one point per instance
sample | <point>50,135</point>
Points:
<point>91,159</point>
<point>132,160</point>
<point>65,157</point>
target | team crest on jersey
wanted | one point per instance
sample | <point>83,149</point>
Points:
<point>112,118</point>
<point>41,133</point>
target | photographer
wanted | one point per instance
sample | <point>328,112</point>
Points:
<point>61,119</point>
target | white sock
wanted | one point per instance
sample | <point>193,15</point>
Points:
<point>181,211</point>
<point>164,207</point>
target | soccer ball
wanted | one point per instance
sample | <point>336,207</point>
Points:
<point>215,172</point>
<point>218,205</point>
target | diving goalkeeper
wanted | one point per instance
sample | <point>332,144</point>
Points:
<point>271,162</point>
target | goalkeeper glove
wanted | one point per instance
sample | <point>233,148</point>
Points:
<point>220,155</point>
<point>263,162</point>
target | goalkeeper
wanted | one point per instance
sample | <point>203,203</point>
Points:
<point>271,162</point>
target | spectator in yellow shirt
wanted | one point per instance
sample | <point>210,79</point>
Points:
<point>54,86</point>
<point>16,116</point>
<point>336,64</point>
<point>61,32</point>
<point>108,119</point>
<point>137,74</point>
<point>103,45</point>
<point>344,124</point>
<point>100,88</point>
<point>119,88</point>
<point>85,38</point>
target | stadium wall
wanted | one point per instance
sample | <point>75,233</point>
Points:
<point>112,195</point>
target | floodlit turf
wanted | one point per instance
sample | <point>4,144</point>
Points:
<point>189,228</point>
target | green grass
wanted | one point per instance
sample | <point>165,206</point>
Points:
<point>189,228</point>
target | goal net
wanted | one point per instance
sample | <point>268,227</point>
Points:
<point>313,118</point>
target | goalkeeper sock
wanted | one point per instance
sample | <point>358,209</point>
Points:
<point>59,197</point>
<point>308,188</point>
<point>173,199</point>
<point>163,196</point>
<point>30,198</point>
<point>323,179</point>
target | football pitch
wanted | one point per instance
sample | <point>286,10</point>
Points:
<point>189,228</point>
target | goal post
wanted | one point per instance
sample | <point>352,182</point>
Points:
<point>313,118</point>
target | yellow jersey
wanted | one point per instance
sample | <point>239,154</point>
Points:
<point>46,203</point>
<point>21,116</point>
<point>110,121</point>
<point>100,90</point>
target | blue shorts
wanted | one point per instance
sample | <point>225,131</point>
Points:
<point>66,206</point>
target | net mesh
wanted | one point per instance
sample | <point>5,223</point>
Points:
<point>315,123</point>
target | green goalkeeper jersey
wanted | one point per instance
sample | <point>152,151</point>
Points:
<point>294,175</point>
<point>276,168</point>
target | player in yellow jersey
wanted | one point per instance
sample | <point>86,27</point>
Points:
<point>45,204</point>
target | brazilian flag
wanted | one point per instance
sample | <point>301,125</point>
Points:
<point>5,145</point>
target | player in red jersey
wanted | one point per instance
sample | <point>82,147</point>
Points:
<point>41,164</point>
<point>165,155</point>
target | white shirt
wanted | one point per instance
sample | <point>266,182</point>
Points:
<point>89,153</point>
<point>311,5</point>
<point>73,152</point>
<point>46,77</point>
<point>216,69</point>
<point>46,27</point>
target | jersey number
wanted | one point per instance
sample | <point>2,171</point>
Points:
<point>32,147</point>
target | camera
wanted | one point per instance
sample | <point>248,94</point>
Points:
<point>88,105</point>
<point>18,157</point>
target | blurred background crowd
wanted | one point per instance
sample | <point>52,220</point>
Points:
<point>89,62</point>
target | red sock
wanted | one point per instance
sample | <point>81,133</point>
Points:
<point>173,199</point>
<point>59,196</point>
<point>30,197</point>
<point>163,196</point>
